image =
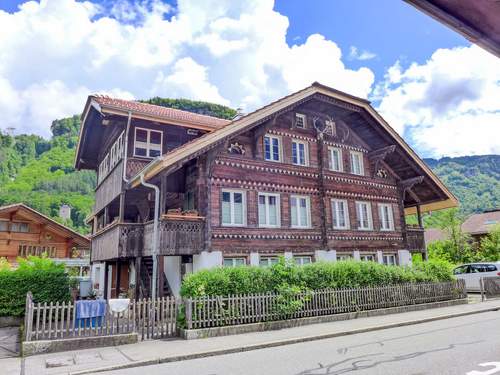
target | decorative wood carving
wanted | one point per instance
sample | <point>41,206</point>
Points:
<point>236,148</point>
<point>406,185</point>
<point>376,156</point>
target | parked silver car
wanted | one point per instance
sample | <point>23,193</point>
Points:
<point>472,273</point>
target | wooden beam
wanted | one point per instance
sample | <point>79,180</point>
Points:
<point>407,184</point>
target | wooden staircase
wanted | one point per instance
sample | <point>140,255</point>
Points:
<point>147,275</point>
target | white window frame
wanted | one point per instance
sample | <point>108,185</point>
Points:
<point>304,120</point>
<point>308,213</point>
<point>334,213</point>
<point>364,257</point>
<point>299,259</point>
<point>233,261</point>
<point>361,163</point>
<point>147,145</point>
<point>268,261</point>
<point>231,205</point>
<point>385,258</point>
<point>280,148</point>
<point>369,214</point>
<point>306,152</point>
<point>330,157</point>
<point>266,208</point>
<point>344,256</point>
<point>383,219</point>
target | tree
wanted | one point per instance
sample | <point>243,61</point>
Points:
<point>490,245</point>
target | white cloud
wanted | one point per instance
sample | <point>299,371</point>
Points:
<point>355,54</point>
<point>447,106</point>
<point>53,53</point>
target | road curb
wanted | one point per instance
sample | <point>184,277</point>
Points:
<point>270,344</point>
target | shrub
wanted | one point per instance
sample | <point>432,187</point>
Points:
<point>286,276</point>
<point>45,279</point>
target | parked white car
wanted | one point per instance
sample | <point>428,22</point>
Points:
<point>472,273</point>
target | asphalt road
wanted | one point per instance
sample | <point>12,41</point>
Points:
<point>452,346</point>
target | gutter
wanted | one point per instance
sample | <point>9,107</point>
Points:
<point>125,150</point>
<point>154,250</point>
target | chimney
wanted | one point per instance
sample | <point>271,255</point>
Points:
<point>65,212</point>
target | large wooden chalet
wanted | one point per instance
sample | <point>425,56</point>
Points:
<point>316,175</point>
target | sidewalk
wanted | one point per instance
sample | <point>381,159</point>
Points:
<point>152,352</point>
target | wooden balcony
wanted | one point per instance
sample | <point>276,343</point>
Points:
<point>179,235</point>
<point>415,238</point>
<point>118,240</point>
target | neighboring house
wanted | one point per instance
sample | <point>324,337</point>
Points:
<point>316,175</point>
<point>476,225</point>
<point>25,231</point>
<point>477,20</point>
<point>479,225</point>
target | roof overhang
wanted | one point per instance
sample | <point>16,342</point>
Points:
<point>50,223</point>
<point>476,20</point>
<point>171,161</point>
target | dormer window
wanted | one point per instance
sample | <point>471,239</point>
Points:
<point>148,143</point>
<point>300,120</point>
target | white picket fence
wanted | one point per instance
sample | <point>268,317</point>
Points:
<point>150,318</point>
<point>205,312</point>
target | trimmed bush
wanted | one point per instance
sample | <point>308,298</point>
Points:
<point>45,279</point>
<point>286,275</point>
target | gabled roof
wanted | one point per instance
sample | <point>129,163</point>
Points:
<point>51,223</point>
<point>99,107</point>
<point>190,150</point>
<point>481,223</point>
<point>159,113</point>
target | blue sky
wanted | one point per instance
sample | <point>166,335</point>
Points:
<point>427,81</point>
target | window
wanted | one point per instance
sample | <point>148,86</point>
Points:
<point>269,210</point>
<point>300,120</point>
<point>4,226</point>
<point>386,217</point>
<point>148,143</point>
<point>344,256</point>
<point>367,257</point>
<point>20,227</point>
<point>234,262</point>
<point>233,207</point>
<point>357,163</point>
<point>301,211</point>
<point>301,260</point>
<point>272,148</point>
<point>364,215</point>
<point>340,216</point>
<point>268,261</point>
<point>336,159</point>
<point>389,259</point>
<point>300,153</point>
<point>461,270</point>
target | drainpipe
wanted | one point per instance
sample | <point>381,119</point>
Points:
<point>154,251</point>
<point>124,176</point>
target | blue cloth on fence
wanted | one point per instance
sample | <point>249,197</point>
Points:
<point>90,308</point>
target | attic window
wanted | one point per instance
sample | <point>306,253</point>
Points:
<point>300,120</point>
<point>148,143</point>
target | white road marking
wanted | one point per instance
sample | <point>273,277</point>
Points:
<point>494,370</point>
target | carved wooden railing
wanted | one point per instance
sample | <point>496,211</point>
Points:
<point>180,235</point>
<point>415,238</point>
<point>117,240</point>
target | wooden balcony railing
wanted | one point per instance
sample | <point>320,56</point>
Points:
<point>415,238</point>
<point>179,235</point>
<point>117,240</point>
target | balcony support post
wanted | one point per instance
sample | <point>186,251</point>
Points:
<point>419,217</point>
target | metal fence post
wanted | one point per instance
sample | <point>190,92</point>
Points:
<point>481,288</point>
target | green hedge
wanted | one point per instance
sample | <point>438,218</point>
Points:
<point>343,274</point>
<point>46,280</point>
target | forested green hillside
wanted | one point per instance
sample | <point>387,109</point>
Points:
<point>40,172</point>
